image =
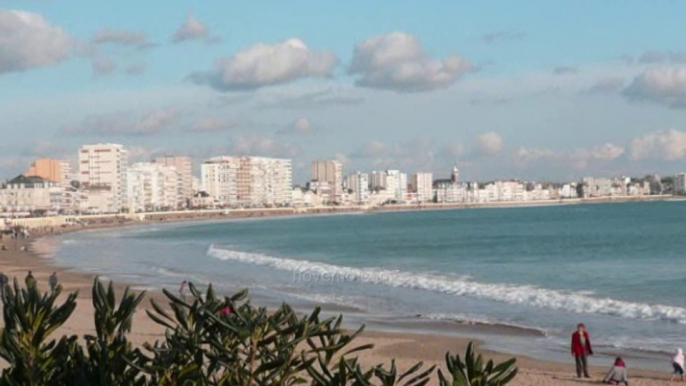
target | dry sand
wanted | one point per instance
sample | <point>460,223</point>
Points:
<point>407,349</point>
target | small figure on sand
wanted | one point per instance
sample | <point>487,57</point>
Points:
<point>4,282</point>
<point>182,290</point>
<point>30,280</point>
<point>617,374</point>
<point>678,365</point>
<point>53,281</point>
<point>581,349</point>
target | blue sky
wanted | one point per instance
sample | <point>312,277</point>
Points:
<point>535,90</point>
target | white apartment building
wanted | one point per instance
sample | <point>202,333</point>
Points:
<point>422,185</point>
<point>377,181</point>
<point>153,186</point>
<point>184,167</point>
<point>680,183</point>
<point>358,184</point>
<point>396,184</point>
<point>332,173</point>
<point>248,181</point>
<point>102,167</point>
<point>26,194</point>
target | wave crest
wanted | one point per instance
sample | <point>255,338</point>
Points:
<point>505,293</point>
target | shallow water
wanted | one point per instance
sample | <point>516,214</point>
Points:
<point>619,268</point>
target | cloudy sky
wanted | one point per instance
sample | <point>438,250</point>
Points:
<point>549,90</point>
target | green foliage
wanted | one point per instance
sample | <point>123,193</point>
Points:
<point>30,317</point>
<point>203,345</point>
<point>473,372</point>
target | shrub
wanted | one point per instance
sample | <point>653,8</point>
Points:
<point>209,340</point>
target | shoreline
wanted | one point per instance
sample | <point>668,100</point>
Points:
<point>406,347</point>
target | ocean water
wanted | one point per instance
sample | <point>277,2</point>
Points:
<point>619,267</point>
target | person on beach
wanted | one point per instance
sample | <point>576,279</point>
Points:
<point>53,281</point>
<point>678,365</point>
<point>617,374</point>
<point>581,349</point>
<point>30,280</point>
<point>4,282</point>
<point>182,290</point>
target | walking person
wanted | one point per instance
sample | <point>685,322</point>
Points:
<point>678,365</point>
<point>182,290</point>
<point>30,281</point>
<point>4,282</point>
<point>53,281</point>
<point>617,374</point>
<point>581,349</point>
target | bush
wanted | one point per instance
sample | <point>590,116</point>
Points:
<point>209,340</point>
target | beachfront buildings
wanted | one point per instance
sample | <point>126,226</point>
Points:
<point>679,184</point>
<point>102,174</point>
<point>58,171</point>
<point>152,186</point>
<point>331,173</point>
<point>29,195</point>
<point>358,185</point>
<point>248,181</point>
<point>184,167</point>
<point>422,186</point>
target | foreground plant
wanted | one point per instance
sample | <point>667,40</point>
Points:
<point>209,340</point>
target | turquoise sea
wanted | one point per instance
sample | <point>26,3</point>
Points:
<point>619,267</point>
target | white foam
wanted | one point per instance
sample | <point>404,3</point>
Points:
<point>505,293</point>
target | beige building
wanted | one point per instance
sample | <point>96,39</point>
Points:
<point>102,167</point>
<point>184,166</point>
<point>50,169</point>
<point>248,181</point>
<point>332,173</point>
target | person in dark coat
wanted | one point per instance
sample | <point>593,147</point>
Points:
<point>581,349</point>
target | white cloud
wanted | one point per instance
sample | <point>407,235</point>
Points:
<point>191,29</point>
<point>525,156</point>
<point>210,125</point>
<point>27,41</point>
<point>666,86</point>
<point>136,39</point>
<point>580,158</point>
<point>302,125</point>
<point>266,65</point>
<point>121,123</point>
<point>102,66</point>
<point>416,154</point>
<point>609,85</point>
<point>263,146</point>
<point>396,61</point>
<point>667,145</point>
<point>490,143</point>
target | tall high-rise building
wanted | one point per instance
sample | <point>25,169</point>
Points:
<point>52,170</point>
<point>248,181</point>
<point>184,166</point>
<point>422,184</point>
<point>102,167</point>
<point>358,183</point>
<point>396,184</point>
<point>152,186</point>
<point>330,172</point>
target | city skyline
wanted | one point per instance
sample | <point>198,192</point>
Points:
<point>503,95</point>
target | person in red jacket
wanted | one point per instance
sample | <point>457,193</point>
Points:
<point>581,349</point>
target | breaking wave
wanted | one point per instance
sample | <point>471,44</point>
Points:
<point>578,302</point>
